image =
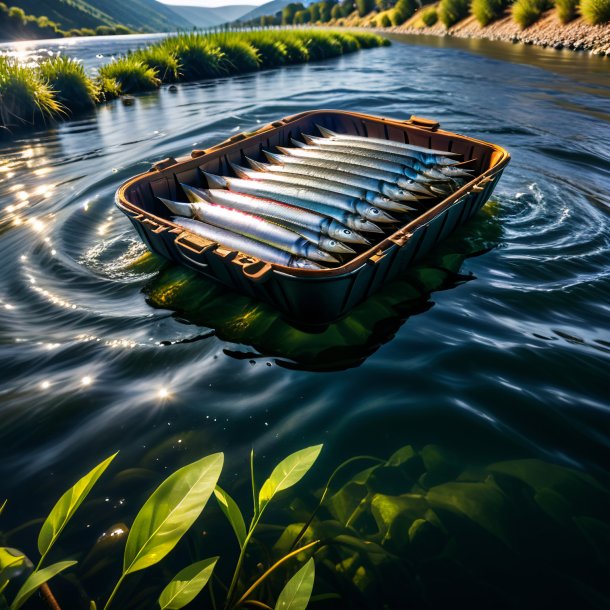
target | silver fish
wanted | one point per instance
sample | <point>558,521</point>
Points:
<point>393,192</point>
<point>251,226</point>
<point>234,241</point>
<point>428,155</point>
<point>437,172</point>
<point>360,170</point>
<point>341,208</point>
<point>324,242</point>
<point>277,211</point>
<point>373,197</point>
<point>316,152</point>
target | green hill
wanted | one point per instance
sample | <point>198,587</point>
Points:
<point>147,15</point>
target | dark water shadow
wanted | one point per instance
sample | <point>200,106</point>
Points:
<point>344,344</point>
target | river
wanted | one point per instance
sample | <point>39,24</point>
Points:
<point>495,348</point>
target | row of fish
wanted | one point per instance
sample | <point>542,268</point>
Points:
<point>310,203</point>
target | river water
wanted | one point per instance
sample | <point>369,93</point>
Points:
<point>496,348</point>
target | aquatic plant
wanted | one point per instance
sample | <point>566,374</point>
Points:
<point>25,97</point>
<point>67,78</point>
<point>131,74</point>
<point>595,12</point>
<point>486,11</point>
<point>527,12</point>
<point>161,523</point>
<point>566,10</point>
<point>162,60</point>
<point>452,11</point>
<point>429,16</point>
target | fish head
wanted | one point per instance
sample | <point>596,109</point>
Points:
<point>303,263</point>
<point>434,173</point>
<point>340,232</point>
<point>413,187</point>
<point>376,199</point>
<point>372,213</point>
<point>334,245</point>
<point>319,255</point>
<point>362,224</point>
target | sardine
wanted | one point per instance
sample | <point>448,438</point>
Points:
<point>316,152</point>
<point>251,226</point>
<point>324,242</point>
<point>373,197</point>
<point>343,209</point>
<point>428,155</point>
<point>393,192</point>
<point>437,172</point>
<point>277,211</point>
<point>360,170</point>
<point>234,241</point>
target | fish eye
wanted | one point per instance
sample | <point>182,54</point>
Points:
<point>347,232</point>
<point>332,243</point>
<point>374,211</point>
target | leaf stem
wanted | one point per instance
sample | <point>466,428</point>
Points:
<point>276,565</point>
<point>114,591</point>
<point>256,604</point>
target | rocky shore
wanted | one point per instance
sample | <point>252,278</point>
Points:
<point>547,32</point>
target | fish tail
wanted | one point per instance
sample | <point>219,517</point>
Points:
<point>273,158</point>
<point>177,207</point>
<point>309,139</point>
<point>297,144</point>
<point>284,151</point>
<point>327,133</point>
<point>239,171</point>
<point>194,195</point>
<point>257,165</point>
<point>216,182</point>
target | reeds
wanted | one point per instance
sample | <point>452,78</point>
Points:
<point>595,12</point>
<point>58,86</point>
<point>486,11</point>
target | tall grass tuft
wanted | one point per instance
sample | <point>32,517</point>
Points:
<point>322,45</point>
<point>527,12</point>
<point>25,97</point>
<point>198,58</point>
<point>486,11</point>
<point>349,43</point>
<point>163,60</point>
<point>296,51</point>
<point>131,74</point>
<point>452,11</point>
<point>566,10</point>
<point>238,56</point>
<point>74,89</point>
<point>429,16</point>
<point>595,12</point>
<point>272,52</point>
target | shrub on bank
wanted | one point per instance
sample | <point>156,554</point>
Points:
<point>131,74</point>
<point>527,12</point>
<point>595,12</point>
<point>384,21</point>
<point>429,16</point>
<point>26,98</point>
<point>403,9</point>
<point>197,57</point>
<point>452,11</point>
<point>486,11</point>
<point>162,60</point>
<point>566,10</point>
<point>74,90</point>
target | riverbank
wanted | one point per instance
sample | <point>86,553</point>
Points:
<point>547,32</point>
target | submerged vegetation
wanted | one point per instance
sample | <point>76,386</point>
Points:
<point>30,95</point>
<point>412,530</point>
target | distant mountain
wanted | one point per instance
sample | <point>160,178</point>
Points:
<point>149,15</point>
<point>207,17</point>
<point>269,8</point>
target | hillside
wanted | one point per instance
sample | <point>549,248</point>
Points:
<point>269,8</point>
<point>205,17</point>
<point>137,14</point>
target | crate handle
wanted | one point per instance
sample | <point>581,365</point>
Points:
<point>193,243</point>
<point>155,227</point>
<point>377,256</point>
<point>400,238</point>
<point>418,121</point>
<point>260,273</point>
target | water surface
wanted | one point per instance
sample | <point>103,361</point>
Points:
<point>494,348</point>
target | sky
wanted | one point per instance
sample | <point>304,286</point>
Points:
<point>212,3</point>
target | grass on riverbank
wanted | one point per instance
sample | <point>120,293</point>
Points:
<point>30,95</point>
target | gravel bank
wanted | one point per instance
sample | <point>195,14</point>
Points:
<point>547,32</point>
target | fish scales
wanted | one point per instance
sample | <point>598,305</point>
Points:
<point>278,211</point>
<point>251,226</point>
<point>234,241</point>
<point>343,209</point>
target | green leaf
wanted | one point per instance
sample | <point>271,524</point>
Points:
<point>2,507</point>
<point>169,512</point>
<point>288,472</point>
<point>229,507</point>
<point>186,585</point>
<point>36,579</point>
<point>295,595</point>
<point>66,507</point>
<point>11,560</point>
